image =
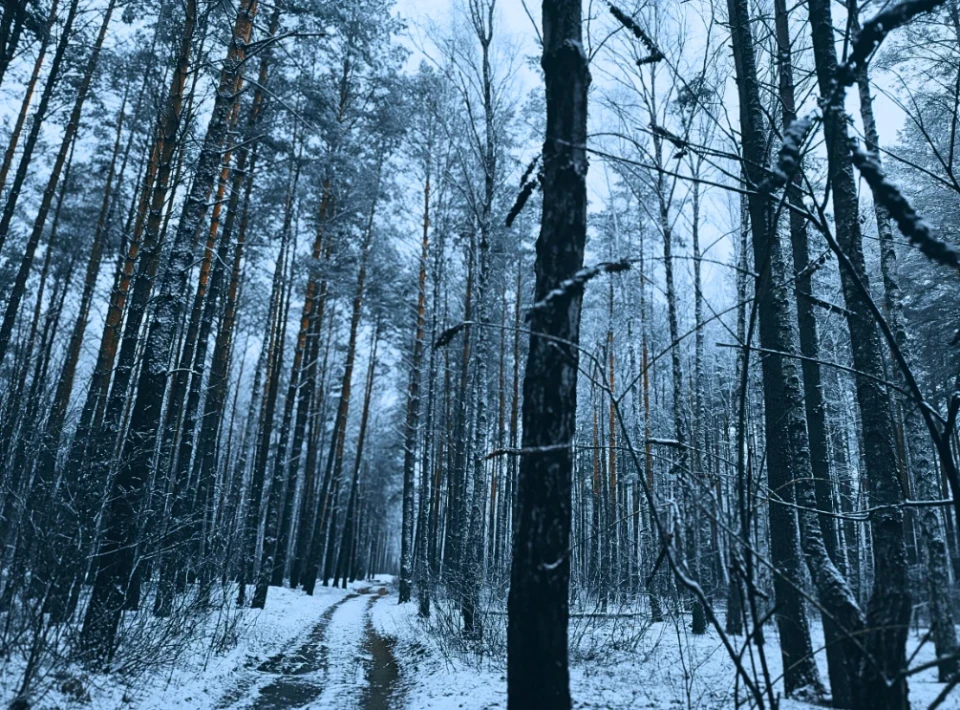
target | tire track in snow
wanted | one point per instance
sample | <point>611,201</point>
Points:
<point>383,672</point>
<point>342,663</point>
<point>297,669</point>
<point>346,671</point>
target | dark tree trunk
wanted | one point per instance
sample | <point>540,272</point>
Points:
<point>888,613</point>
<point>815,409</point>
<point>933,551</point>
<point>538,605</point>
<point>788,455</point>
<point>412,421</point>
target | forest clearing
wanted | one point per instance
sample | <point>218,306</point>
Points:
<point>389,354</point>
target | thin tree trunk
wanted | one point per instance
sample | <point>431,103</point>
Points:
<point>27,95</point>
<point>412,421</point>
<point>322,545</point>
<point>46,201</point>
<point>23,167</point>
<point>348,537</point>
<point>788,454</point>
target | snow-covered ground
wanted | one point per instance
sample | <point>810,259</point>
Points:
<point>200,677</point>
<point>345,669</point>
<point>358,649</point>
<point>625,665</point>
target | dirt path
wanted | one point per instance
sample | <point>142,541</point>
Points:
<point>342,663</point>
<point>382,691</point>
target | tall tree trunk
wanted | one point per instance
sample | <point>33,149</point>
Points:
<point>426,518</point>
<point>305,392</point>
<point>116,560</point>
<point>454,532</point>
<point>309,506</point>
<point>264,489</point>
<point>918,444</point>
<point>680,469</point>
<point>79,481</point>
<point>656,613</point>
<point>814,405</point>
<point>538,606</point>
<point>412,421</point>
<point>238,207</point>
<point>53,430</point>
<point>888,613</point>
<point>321,551</point>
<point>788,454</point>
<point>482,15</point>
<point>333,498</point>
<point>276,482</point>
<point>697,475</point>
<point>348,537</point>
<point>58,410</point>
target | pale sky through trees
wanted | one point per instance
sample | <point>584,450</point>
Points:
<point>516,22</point>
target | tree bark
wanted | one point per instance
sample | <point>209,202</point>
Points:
<point>788,453</point>
<point>538,605</point>
<point>933,551</point>
<point>888,613</point>
<point>815,408</point>
<point>411,423</point>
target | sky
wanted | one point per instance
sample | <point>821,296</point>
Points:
<point>514,20</point>
<point>510,12</point>
<point>514,25</point>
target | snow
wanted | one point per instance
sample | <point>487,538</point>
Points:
<point>202,682</point>
<point>346,670</point>
<point>200,678</point>
<point>622,663</point>
<point>314,652</point>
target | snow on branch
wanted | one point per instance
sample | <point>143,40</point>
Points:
<point>577,282</point>
<point>528,451</point>
<point>679,143</point>
<point>527,185</point>
<point>624,19</point>
<point>913,226</point>
<point>875,30</point>
<point>447,336</point>
<point>789,158</point>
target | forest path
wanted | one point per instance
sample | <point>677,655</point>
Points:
<point>342,663</point>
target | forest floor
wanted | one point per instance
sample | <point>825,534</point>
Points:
<point>319,651</point>
<point>357,649</point>
<point>618,663</point>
